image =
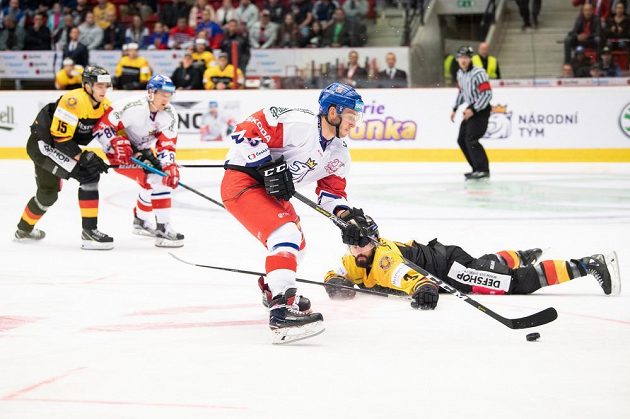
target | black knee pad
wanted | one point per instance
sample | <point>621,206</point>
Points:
<point>490,263</point>
<point>47,196</point>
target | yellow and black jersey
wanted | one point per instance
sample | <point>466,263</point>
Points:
<point>203,59</point>
<point>74,117</point>
<point>215,75</point>
<point>64,81</point>
<point>388,269</point>
<point>137,69</point>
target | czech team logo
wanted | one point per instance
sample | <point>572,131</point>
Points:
<point>624,120</point>
<point>499,124</point>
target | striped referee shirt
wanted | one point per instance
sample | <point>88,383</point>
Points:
<point>474,89</point>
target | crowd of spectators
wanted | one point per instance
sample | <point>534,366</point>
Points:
<point>599,43</point>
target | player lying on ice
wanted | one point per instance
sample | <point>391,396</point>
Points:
<point>272,150</point>
<point>134,125</point>
<point>506,272</point>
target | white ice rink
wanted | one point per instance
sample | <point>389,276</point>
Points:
<point>132,333</point>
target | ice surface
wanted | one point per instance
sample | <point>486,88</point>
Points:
<point>132,333</point>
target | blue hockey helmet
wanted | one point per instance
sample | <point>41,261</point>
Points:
<point>340,96</point>
<point>213,104</point>
<point>160,82</point>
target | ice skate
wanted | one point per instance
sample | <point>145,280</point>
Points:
<point>26,236</point>
<point>167,237</point>
<point>530,257</point>
<point>303,303</point>
<point>605,270</point>
<point>288,323</point>
<point>96,240</point>
<point>143,228</point>
<point>477,175</point>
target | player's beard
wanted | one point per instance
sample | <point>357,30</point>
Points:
<point>363,261</point>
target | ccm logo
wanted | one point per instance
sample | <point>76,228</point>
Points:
<point>278,169</point>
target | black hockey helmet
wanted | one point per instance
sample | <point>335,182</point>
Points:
<point>95,74</point>
<point>465,50</point>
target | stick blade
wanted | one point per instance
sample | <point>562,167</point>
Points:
<point>537,319</point>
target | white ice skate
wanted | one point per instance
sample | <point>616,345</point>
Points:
<point>29,236</point>
<point>96,240</point>
<point>167,237</point>
<point>612,263</point>
<point>143,228</point>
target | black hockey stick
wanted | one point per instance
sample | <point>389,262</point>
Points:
<point>537,319</point>
<point>161,173</point>
<point>306,281</point>
<point>190,166</point>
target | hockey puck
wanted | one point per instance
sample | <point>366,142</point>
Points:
<point>532,337</point>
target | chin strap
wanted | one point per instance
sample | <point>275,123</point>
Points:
<point>91,95</point>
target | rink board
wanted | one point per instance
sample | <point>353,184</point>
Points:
<point>578,124</point>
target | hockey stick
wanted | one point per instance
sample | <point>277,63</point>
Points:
<point>161,173</point>
<point>306,281</point>
<point>537,319</point>
<point>190,166</point>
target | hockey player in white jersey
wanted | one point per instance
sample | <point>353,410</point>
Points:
<point>273,150</point>
<point>132,126</point>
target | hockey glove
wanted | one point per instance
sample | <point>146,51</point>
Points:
<point>360,228</point>
<point>278,179</point>
<point>172,176</point>
<point>147,157</point>
<point>121,149</point>
<point>425,295</point>
<point>92,163</point>
<point>338,293</point>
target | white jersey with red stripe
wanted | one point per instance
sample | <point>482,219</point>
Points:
<point>132,118</point>
<point>295,134</point>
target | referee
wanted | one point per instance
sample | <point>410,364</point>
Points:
<point>475,92</point>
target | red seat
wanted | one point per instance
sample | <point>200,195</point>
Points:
<point>591,54</point>
<point>622,58</point>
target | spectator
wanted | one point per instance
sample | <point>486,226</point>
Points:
<point>232,35</point>
<point>263,33</point>
<point>137,33</point>
<point>302,14</point>
<point>69,77</point>
<point>315,37</point>
<point>91,35</point>
<point>486,61</point>
<point>601,8</point>
<point>187,76</point>
<point>101,13</point>
<point>12,36</point>
<point>567,71</point>
<point>202,58</point>
<point>392,77</point>
<point>169,13</point>
<point>226,13</point>
<point>114,35</point>
<point>196,13</point>
<point>247,12</point>
<point>323,11</point>
<point>132,71</point>
<point>38,36</point>
<point>355,9</point>
<point>159,38</point>
<point>618,27</point>
<point>80,11</point>
<point>55,19</point>
<point>221,76</point>
<point>75,49</point>
<point>356,75</point>
<point>581,63</point>
<point>182,35</point>
<point>595,71</point>
<point>450,67</point>
<point>276,11</point>
<point>338,33</point>
<point>136,7</point>
<point>523,8</point>
<point>608,67</point>
<point>585,32</point>
<point>289,35</point>
<point>213,32</point>
<point>16,13</point>
<point>61,37</point>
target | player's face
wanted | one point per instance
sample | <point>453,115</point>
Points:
<point>363,255</point>
<point>99,90</point>
<point>464,61</point>
<point>349,119</point>
<point>161,99</point>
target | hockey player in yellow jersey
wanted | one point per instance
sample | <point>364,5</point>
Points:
<point>506,272</point>
<point>69,77</point>
<point>57,134</point>
<point>132,71</point>
<point>221,76</point>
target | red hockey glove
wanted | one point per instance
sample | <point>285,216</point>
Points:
<point>121,149</point>
<point>172,176</point>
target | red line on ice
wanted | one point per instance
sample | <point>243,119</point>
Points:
<point>11,322</point>
<point>169,325</point>
<point>15,394</point>
<point>130,403</point>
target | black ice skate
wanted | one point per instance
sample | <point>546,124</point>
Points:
<point>96,240</point>
<point>477,175</point>
<point>166,237</point>
<point>143,228</point>
<point>303,303</point>
<point>529,257</point>
<point>24,236</point>
<point>288,323</point>
<point>605,270</point>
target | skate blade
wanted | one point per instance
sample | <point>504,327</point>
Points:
<point>612,263</point>
<point>142,232</point>
<point>159,242</point>
<point>286,335</point>
<point>92,245</point>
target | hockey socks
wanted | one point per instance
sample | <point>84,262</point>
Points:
<point>33,212</point>
<point>88,202</point>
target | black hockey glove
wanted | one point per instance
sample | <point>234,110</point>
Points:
<point>425,295</point>
<point>338,293</point>
<point>147,157</point>
<point>278,179</point>
<point>360,228</point>
<point>89,168</point>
